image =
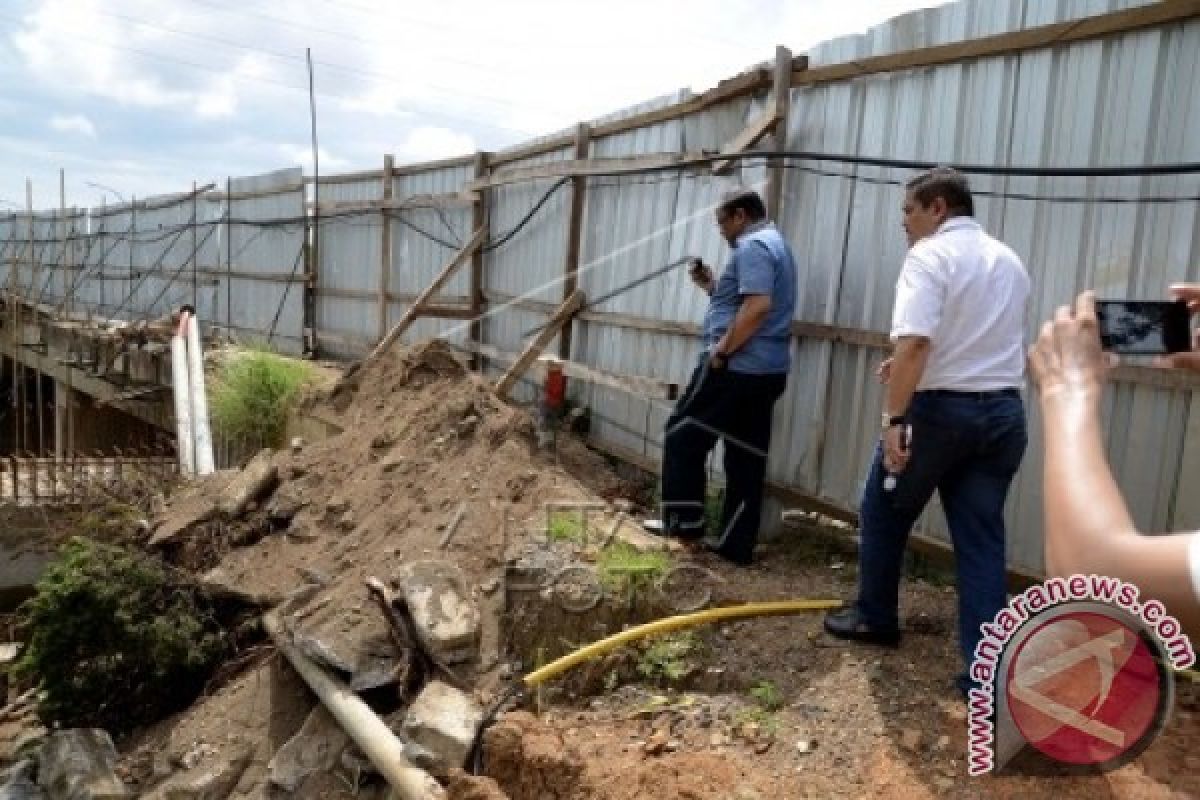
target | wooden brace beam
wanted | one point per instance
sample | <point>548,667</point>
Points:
<point>535,348</point>
<point>750,136</point>
<point>416,309</point>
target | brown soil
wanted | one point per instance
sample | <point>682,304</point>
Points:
<point>423,438</point>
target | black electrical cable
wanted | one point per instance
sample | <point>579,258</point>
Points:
<point>283,300</point>
<point>142,278</point>
<point>148,310</point>
<point>503,240</point>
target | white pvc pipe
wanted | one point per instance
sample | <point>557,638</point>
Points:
<point>201,432</point>
<point>183,402</point>
<point>359,722</point>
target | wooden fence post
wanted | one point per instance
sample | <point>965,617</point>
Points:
<point>781,97</point>
<point>583,135</point>
<point>480,221</point>
<point>385,245</point>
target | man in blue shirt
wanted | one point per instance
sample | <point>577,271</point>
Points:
<point>742,372</point>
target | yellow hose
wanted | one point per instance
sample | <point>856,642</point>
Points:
<point>668,624</point>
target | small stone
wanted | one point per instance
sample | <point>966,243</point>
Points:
<point>762,746</point>
<point>656,744</point>
<point>718,740</point>
<point>443,721</point>
<point>383,441</point>
<point>490,586</point>
<point>746,793</point>
<point>673,745</point>
<point>297,444</point>
<point>347,521</point>
<point>911,739</point>
<point>805,746</point>
<point>337,505</point>
<point>943,742</point>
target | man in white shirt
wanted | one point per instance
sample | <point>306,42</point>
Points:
<point>953,419</point>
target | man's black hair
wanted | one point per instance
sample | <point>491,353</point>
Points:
<point>946,183</point>
<point>746,200</point>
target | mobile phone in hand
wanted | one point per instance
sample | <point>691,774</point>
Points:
<point>1143,327</point>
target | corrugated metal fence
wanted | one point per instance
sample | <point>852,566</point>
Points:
<point>1124,99</point>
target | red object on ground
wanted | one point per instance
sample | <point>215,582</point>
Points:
<point>555,387</point>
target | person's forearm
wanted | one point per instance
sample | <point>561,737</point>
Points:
<point>746,322</point>
<point>1088,512</point>
<point>1088,526</point>
<point>908,365</point>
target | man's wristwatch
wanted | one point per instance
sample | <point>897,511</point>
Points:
<point>892,420</point>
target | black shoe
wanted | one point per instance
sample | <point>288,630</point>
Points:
<point>847,623</point>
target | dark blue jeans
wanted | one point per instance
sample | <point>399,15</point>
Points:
<point>735,407</point>
<point>967,447</point>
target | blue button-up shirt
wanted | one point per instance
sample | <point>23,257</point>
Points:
<point>761,263</point>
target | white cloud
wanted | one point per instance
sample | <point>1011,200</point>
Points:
<point>430,142</point>
<point>73,123</point>
<point>301,155</point>
<point>191,83</point>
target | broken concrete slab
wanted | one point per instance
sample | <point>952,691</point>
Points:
<point>316,747</point>
<point>221,584</point>
<point>255,481</point>
<point>215,781</point>
<point>77,764</point>
<point>447,621</point>
<point>443,721</point>
<point>193,505</point>
<point>17,782</point>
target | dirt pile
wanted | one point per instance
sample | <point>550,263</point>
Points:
<point>429,466</point>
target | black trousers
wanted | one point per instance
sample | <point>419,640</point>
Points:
<point>736,408</point>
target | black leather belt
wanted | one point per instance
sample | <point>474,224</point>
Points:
<point>991,393</point>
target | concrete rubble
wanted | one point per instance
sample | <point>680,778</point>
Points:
<point>443,721</point>
<point>256,480</point>
<point>317,747</point>
<point>77,764</point>
<point>447,620</point>
<point>213,779</point>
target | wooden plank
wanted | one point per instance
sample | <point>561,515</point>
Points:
<point>535,348</point>
<point>385,245</point>
<point>746,83</point>
<point>593,166</point>
<point>759,127</point>
<point>448,200</point>
<point>782,101</point>
<point>631,384</point>
<point>479,222</point>
<point>420,167</point>
<point>414,310</point>
<point>1155,14</point>
<point>574,234</point>
<point>405,298</point>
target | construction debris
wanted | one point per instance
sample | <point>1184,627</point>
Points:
<point>447,621</point>
<point>77,764</point>
<point>444,721</point>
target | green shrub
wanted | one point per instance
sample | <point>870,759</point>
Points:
<point>112,642</point>
<point>253,394</point>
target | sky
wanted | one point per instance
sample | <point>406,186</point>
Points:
<point>140,97</point>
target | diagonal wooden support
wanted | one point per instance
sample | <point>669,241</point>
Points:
<point>750,135</point>
<point>415,310</point>
<point>535,348</point>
